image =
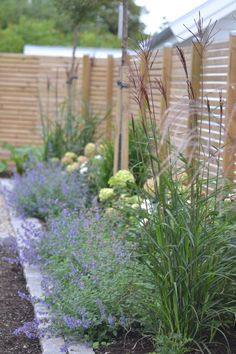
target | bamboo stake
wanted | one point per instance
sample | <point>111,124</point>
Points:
<point>122,124</point>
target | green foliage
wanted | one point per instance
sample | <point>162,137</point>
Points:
<point>191,255</point>
<point>43,23</point>
<point>139,160</point>
<point>10,41</point>
<point>79,11</point>
<point>121,180</point>
<point>98,39</point>
<point>22,155</point>
<point>182,238</point>
<point>108,17</point>
<point>71,133</point>
<point>101,169</point>
<point>39,32</point>
<point>12,10</point>
<point>3,166</point>
<point>95,274</point>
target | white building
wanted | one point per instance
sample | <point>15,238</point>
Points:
<point>221,13</point>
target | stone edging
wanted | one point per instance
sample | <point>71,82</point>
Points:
<point>33,278</point>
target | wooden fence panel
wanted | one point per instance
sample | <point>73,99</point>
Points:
<point>18,100</point>
<point>31,86</point>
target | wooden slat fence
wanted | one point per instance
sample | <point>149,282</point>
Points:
<point>32,86</point>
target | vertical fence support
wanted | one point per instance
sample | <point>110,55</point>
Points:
<point>125,124</point>
<point>109,96</point>
<point>194,92</point>
<point>230,128</point>
<point>164,100</point>
<point>86,78</point>
<point>121,153</point>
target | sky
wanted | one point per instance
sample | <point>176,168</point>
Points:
<point>171,9</point>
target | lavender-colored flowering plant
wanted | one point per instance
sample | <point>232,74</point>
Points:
<point>94,273</point>
<point>46,189</point>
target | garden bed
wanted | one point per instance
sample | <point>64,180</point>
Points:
<point>15,312</point>
<point>122,263</point>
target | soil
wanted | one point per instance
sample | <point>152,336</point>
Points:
<point>14,311</point>
<point>134,344</point>
<point>6,174</point>
<point>131,343</point>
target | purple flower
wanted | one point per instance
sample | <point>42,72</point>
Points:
<point>110,320</point>
<point>45,190</point>
<point>29,329</point>
<point>64,349</point>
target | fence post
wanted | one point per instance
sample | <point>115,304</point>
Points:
<point>109,96</point>
<point>164,101</point>
<point>86,76</point>
<point>193,92</point>
<point>121,153</point>
<point>229,157</point>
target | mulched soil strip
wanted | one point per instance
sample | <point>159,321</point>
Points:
<point>134,344</point>
<point>14,311</point>
<point>131,343</point>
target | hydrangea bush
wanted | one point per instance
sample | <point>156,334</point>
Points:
<point>46,189</point>
<point>121,179</point>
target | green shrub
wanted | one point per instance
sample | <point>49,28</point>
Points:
<point>70,133</point>
<point>101,170</point>
<point>25,155</point>
<point>30,31</point>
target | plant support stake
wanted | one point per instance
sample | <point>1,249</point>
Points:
<point>122,134</point>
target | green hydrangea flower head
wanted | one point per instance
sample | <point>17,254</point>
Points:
<point>66,160</point>
<point>106,194</point>
<point>101,149</point>
<point>73,167</point>
<point>121,179</point>
<point>71,155</point>
<point>90,150</point>
<point>54,160</point>
<point>111,212</point>
<point>129,200</point>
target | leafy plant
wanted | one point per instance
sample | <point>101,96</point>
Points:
<point>22,155</point>
<point>68,132</point>
<point>139,163</point>
<point>100,170</point>
<point>188,248</point>
<point>3,166</point>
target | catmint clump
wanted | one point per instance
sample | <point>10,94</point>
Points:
<point>94,272</point>
<point>46,189</point>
